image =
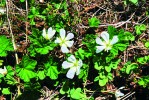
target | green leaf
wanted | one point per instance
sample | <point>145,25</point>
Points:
<point>140,28</point>
<point>128,36</point>
<point>131,67</point>
<point>96,79</point>
<point>53,72</point>
<point>141,82</point>
<point>83,73</point>
<point>134,1</point>
<point>5,45</point>
<point>114,51</point>
<point>108,68</point>
<point>147,44</point>
<point>28,63</point>
<point>93,22</point>
<point>22,0</point>
<point>137,28</point>
<point>1,62</point>
<point>144,81</point>
<point>11,80</point>
<point>102,75</point>
<point>5,91</point>
<point>97,67</point>
<point>43,50</point>
<point>110,76</point>
<point>10,76</point>
<point>121,46</point>
<point>26,74</point>
<point>25,69</point>
<point>89,41</point>
<point>112,31</point>
<point>41,75</point>
<point>114,64</point>
<point>77,94</point>
<point>143,60</point>
<point>102,82</point>
<point>10,70</point>
<point>34,11</point>
<point>39,45</point>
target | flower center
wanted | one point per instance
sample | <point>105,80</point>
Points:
<point>46,37</point>
<point>108,45</point>
<point>62,41</point>
<point>75,64</point>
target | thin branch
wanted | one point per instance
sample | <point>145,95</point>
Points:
<point>13,40</point>
<point>127,95</point>
<point>26,20</point>
<point>116,25</point>
<point>12,36</point>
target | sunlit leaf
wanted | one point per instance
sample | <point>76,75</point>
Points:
<point>6,91</point>
<point>25,69</point>
<point>52,72</point>
<point>5,45</point>
<point>93,22</point>
<point>41,75</point>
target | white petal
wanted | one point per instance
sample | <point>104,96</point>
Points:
<point>105,36</point>
<point>62,34</point>
<point>69,36</point>
<point>64,49</point>
<point>121,87</point>
<point>69,43</point>
<point>99,48</point>
<point>72,58</point>
<point>79,66</point>
<point>80,63</point>
<point>44,33</point>
<point>58,40</point>
<point>1,71</point>
<point>98,41</point>
<point>114,40</point>
<point>118,94</point>
<point>66,65</point>
<point>78,70</point>
<point>70,74</point>
<point>50,30</point>
<point>2,10</point>
<point>51,33</point>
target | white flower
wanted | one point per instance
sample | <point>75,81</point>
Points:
<point>3,71</point>
<point>64,40</point>
<point>48,35</point>
<point>107,43</point>
<point>74,66</point>
<point>118,93</point>
<point>2,10</point>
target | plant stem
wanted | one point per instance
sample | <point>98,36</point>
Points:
<point>13,40</point>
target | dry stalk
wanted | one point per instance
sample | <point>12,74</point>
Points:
<point>26,20</point>
<point>13,40</point>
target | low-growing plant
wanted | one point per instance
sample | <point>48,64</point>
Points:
<point>56,58</point>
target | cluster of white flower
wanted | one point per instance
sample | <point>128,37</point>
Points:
<point>65,41</point>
